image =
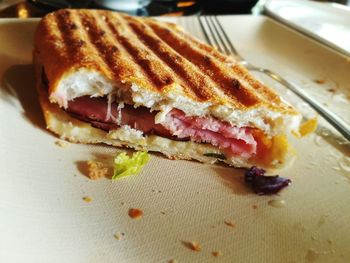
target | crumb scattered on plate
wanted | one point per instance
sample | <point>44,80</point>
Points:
<point>217,253</point>
<point>62,144</point>
<point>193,245</point>
<point>229,223</point>
<point>135,213</point>
<point>320,81</point>
<point>87,199</point>
<point>311,255</point>
<point>172,261</point>
<point>96,170</point>
<point>255,206</point>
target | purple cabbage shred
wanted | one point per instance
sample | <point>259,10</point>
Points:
<point>265,185</point>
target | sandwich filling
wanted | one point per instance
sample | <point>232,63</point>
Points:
<point>104,114</point>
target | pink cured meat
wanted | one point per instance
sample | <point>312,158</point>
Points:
<point>177,126</point>
<point>94,111</point>
<point>234,140</point>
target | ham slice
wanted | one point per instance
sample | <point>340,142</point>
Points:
<point>176,125</point>
<point>95,111</point>
<point>234,140</point>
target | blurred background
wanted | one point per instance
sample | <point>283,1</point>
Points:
<point>38,8</point>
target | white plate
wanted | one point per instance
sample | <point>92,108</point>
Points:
<point>326,22</point>
<point>44,219</point>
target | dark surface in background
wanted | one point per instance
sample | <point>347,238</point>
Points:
<point>38,8</point>
<point>227,6</point>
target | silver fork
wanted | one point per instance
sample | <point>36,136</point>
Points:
<point>217,36</point>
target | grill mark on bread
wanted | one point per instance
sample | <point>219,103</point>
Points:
<point>76,42</point>
<point>159,65</point>
<point>214,68</point>
<point>61,20</point>
<point>154,71</point>
<point>125,62</point>
<point>202,46</point>
<point>231,62</point>
<point>265,94</point>
<point>174,60</point>
<point>73,44</point>
<point>99,39</point>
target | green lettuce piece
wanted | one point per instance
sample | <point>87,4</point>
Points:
<point>125,165</point>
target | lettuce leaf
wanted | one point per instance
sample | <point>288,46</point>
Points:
<point>125,165</point>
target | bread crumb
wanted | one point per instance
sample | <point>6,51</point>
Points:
<point>62,144</point>
<point>255,206</point>
<point>87,199</point>
<point>193,245</point>
<point>311,255</point>
<point>320,81</point>
<point>217,253</point>
<point>96,170</point>
<point>172,261</point>
<point>135,213</point>
<point>229,223</point>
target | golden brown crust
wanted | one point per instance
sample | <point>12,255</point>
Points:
<point>151,54</point>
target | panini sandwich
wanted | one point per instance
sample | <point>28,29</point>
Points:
<point>106,77</point>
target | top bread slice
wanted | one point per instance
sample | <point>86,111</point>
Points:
<point>155,64</point>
